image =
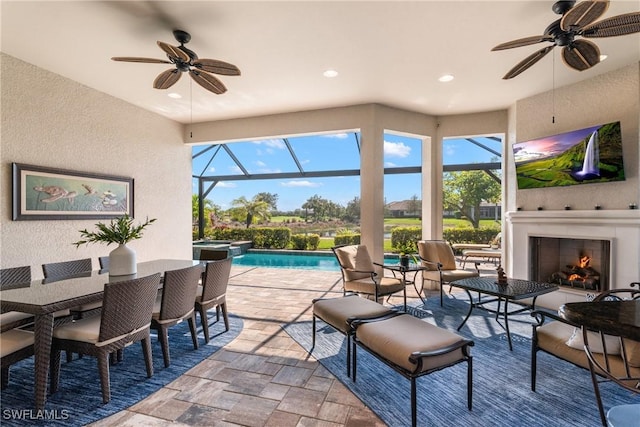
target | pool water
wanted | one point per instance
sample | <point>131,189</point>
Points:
<point>296,261</point>
<point>292,261</point>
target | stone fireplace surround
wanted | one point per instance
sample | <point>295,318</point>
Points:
<point>620,227</point>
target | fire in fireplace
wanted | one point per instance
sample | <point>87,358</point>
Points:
<point>582,264</point>
<point>579,275</point>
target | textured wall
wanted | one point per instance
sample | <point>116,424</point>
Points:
<point>48,120</point>
<point>610,97</point>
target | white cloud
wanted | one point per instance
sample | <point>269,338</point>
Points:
<point>337,135</point>
<point>300,184</point>
<point>396,149</point>
<point>260,163</point>
<point>450,150</point>
<point>235,170</point>
<point>389,164</point>
<point>271,143</point>
<point>212,169</point>
<point>226,184</point>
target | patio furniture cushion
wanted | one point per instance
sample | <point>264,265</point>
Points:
<point>356,257</point>
<point>14,340</point>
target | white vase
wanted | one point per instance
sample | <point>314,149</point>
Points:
<point>122,261</point>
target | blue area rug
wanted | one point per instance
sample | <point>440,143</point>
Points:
<point>78,400</point>
<point>502,393</point>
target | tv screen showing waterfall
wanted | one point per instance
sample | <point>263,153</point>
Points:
<point>583,156</point>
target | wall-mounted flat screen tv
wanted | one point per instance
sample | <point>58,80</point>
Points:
<point>581,156</point>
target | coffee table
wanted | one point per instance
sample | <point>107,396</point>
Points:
<point>515,290</point>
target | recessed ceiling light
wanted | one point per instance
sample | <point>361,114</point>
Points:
<point>330,73</point>
<point>446,78</point>
<point>174,95</point>
<point>603,57</point>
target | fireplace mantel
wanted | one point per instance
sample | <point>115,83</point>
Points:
<point>629,217</point>
<point>620,227</point>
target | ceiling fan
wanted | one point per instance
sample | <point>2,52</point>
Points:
<point>186,60</point>
<point>577,21</point>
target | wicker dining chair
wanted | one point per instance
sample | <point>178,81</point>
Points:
<point>63,270</point>
<point>212,293</point>
<point>175,304</point>
<point>15,345</point>
<point>9,279</point>
<point>125,319</point>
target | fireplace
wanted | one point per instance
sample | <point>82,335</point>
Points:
<point>582,264</point>
<point>619,229</point>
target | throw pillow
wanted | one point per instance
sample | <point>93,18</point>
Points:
<point>595,343</point>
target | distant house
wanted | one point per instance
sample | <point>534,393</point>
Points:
<point>405,208</point>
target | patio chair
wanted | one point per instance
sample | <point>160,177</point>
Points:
<point>63,270</point>
<point>212,293</point>
<point>174,304</point>
<point>9,279</point>
<point>359,275</point>
<point>125,319</point>
<point>437,256</point>
<point>607,357</point>
<point>15,345</point>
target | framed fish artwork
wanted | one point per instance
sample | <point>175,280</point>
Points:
<point>41,193</point>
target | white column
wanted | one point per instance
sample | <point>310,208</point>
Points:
<point>372,188</point>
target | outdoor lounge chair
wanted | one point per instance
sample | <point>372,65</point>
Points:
<point>437,256</point>
<point>359,275</point>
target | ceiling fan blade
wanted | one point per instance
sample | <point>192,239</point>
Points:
<point>136,59</point>
<point>526,41</point>
<point>167,79</point>
<point>583,13</point>
<point>581,55</point>
<point>217,67</point>
<point>528,62</point>
<point>207,81</point>
<point>174,52</point>
<point>619,25</point>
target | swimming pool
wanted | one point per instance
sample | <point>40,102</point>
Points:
<point>288,260</point>
<point>292,260</point>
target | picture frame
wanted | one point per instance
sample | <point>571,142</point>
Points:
<point>42,193</point>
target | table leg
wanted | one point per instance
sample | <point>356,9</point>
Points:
<point>43,331</point>
<point>471,305</point>
<point>506,322</point>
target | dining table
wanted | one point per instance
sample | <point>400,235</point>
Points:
<point>43,298</point>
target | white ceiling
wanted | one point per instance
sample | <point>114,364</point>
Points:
<point>388,52</point>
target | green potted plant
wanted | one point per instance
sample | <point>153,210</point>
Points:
<point>121,230</point>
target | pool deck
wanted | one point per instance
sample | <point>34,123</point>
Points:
<point>263,378</point>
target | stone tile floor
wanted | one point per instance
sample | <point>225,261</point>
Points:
<point>263,377</point>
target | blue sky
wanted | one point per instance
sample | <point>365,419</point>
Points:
<point>318,153</point>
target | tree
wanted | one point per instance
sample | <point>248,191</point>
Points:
<point>209,209</point>
<point>318,206</point>
<point>465,191</point>
<point>250,209</point>
<point>352,211</point>
<point>270,198</point>
<point>414,205</point>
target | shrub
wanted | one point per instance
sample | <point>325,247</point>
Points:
<point>403,239</point>
<point>305,241</point>
<point>347,239</point>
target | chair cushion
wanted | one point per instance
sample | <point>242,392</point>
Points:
<point>595,343</point>
<point>14,340</point>
<point>633,352</point>
<point>387,285</point>
<point>336,311</point>
<point>396,338</point>
<point>13,316</point>
<point>437,251</point>
<point>355,257</point>
<point>85,330</point>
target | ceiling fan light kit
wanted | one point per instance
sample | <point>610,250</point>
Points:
<point>578,21</point>
<point>186,61</point>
